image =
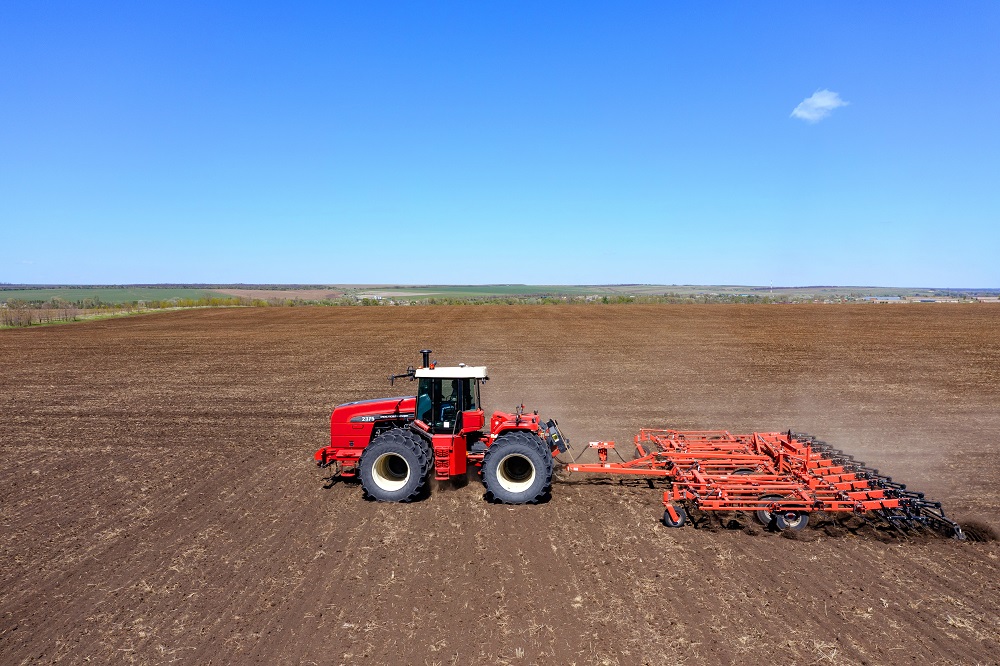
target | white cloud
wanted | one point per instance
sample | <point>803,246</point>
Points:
<point>816,108</point>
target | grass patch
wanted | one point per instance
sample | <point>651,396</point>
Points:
<point>110,295</point>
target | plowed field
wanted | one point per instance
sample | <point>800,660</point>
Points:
<point>159,504</point>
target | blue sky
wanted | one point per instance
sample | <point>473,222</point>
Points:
<point>500,142</point>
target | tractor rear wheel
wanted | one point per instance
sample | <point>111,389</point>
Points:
<point>517,469</point>
<point>393,468</point>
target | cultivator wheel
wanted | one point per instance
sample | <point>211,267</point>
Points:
<point>395,466</point>
<point>766,517</point>
<point>791,520</point>
<point>517,469</point>
<point>674,516</point>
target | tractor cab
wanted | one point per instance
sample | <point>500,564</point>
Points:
<point>448,398</point>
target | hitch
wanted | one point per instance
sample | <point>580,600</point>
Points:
<point>602,449</point>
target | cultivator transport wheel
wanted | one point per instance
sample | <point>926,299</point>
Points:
<point>676,520</point>
<point>791,520</point>
<point>517,469</point>
<point>394,467</point>
<point>766,517</point>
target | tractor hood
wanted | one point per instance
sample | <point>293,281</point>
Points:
<point>364,411</point>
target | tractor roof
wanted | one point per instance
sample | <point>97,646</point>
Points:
<point>454,372</point>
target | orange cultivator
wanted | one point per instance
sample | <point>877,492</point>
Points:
<point>781,477</point>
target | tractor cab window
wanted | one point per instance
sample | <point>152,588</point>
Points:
<point>450,395</point>
<point>441,401</point>
<point>424,402</point>
<point>426,399</point>
<point>438,403</point>
<point>471,390</point>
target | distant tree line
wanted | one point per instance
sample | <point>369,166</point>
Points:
<point>19,312</point>
<point>7,286</point>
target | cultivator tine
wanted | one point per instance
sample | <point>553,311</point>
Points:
<point>948,526</point>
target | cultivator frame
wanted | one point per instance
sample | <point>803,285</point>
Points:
<point>782,477</point>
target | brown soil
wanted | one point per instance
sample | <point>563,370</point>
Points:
<point>158,501</point>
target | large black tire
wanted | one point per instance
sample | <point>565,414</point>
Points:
<point>517,469</point>
<point>546,453</point>
<point>426,456</point>
<point>394,466</point>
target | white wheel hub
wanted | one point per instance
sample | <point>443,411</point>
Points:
<point>793,520</point>
<point>515,473</point>
<point>390,472</point>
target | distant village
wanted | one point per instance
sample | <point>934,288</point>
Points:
<point>375,298</point>
<point>932,299</point>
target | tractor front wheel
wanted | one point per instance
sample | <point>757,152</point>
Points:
<point>393,468</point>
<point>517,469</point>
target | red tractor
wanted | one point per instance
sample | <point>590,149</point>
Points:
<point>392,444</point>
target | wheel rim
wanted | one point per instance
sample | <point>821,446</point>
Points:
<point>515,473</point>
<point>793,520</point>
<point>764,516</point>
<point>390,472</point>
